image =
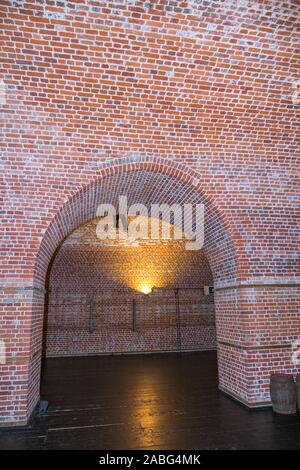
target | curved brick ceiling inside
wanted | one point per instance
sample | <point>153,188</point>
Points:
<point>142,187</point>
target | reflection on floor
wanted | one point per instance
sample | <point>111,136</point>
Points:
<point>158,401</point>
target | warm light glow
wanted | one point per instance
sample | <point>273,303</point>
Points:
<point>141,265</point>
<point>146,289</point>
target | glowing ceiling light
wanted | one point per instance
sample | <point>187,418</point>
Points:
<point>146,289</point>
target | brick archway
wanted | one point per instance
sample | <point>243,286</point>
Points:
<point>145,181</point>
<point>148,181</point>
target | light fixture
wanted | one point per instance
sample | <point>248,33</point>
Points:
<point>146,290</point>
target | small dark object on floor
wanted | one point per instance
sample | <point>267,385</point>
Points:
<point>42,408</point>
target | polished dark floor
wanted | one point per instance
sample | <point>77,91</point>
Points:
<point>161,401</point>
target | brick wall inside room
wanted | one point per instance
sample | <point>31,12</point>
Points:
<point>200,91</point>
<point>111,276</point>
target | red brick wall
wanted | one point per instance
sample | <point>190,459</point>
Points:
<point>111,275</point>
<point>258,324</point>
<point>192,100</point>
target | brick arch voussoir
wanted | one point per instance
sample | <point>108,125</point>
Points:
<point>66,218</point>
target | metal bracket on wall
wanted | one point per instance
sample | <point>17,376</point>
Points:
<point>91,312</point>
<point>133,315</point>
<point>178,325</point>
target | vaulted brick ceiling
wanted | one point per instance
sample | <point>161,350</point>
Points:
<point>143,187</point>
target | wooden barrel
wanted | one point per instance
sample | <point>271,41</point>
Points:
<point>298,390</point>
<point>283,394</point>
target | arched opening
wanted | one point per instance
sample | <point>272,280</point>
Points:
<point>96,303</point>
<point>148,183</point>
<point>145,184</point>
<point>216,261</point>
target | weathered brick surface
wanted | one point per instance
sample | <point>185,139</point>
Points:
<point>169,101</point>
<point>260,325</point>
